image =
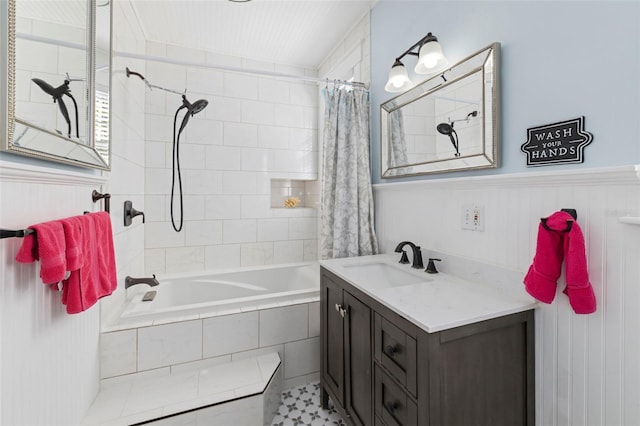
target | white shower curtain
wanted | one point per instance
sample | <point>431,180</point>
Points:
<point>347,201</point>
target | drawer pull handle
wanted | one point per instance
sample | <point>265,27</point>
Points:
<point>392,406</point>
<point>391,350</point>
<point>342,311</point>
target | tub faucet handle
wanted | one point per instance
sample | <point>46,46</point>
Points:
<point>130,213</point>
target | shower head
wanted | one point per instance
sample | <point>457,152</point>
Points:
<point>197,106</point>
<point>192,109</point>
<point>447,130</point>
<point>56,93</point>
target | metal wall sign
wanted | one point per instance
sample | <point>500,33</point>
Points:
<point>556,143</point>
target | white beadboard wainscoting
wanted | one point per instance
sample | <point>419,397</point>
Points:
<point>49,360</point>
<point>587,366</point>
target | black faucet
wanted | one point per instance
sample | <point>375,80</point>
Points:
<point>128,281</point>
<point>417,254</point>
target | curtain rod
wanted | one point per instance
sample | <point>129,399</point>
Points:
<point>48,40</point>
<point>318,80</point>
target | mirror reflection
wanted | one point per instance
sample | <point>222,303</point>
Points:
<point>52,67</point>
<point>446,123</point>
<point>59,81</point>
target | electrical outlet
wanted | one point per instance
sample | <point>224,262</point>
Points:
<point>473,217</point>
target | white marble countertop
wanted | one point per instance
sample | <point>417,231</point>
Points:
<point>435,302</point>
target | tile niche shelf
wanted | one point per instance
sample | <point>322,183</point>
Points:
<point>306,191</point>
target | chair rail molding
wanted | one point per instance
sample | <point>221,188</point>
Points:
<point>29,173</point>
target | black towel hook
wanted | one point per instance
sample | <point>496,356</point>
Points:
<point>572,212</point>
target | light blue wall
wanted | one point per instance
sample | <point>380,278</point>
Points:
<point>560,60</point>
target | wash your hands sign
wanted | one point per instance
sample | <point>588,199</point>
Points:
<point>556,143</point>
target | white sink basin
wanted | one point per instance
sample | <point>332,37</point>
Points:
<point>379,274</point>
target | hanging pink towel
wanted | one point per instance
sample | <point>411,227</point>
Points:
<point>554,246</point>
<point>48,246</point>
<point>73,241</point>
<point>96,277</point>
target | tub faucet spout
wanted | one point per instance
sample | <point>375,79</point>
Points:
<point>129,281</point>
<point>417,254</point>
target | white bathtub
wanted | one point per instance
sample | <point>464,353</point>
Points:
<point>208,294</point>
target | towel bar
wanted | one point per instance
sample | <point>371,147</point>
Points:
<point>95,196</point>
<point>18,233</point>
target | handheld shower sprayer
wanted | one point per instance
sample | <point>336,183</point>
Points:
<point>56,93</point>
<point>447,130</point>
<point>192,109</point>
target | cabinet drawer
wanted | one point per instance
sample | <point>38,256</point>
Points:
<point>392,404</point>
<point>396,351</point>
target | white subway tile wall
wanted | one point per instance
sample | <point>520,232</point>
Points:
<point>255,131</point>
<point>292,331</point>
<point>164,345</point>
<point>129,153</point>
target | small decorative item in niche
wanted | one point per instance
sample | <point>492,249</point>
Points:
<point>556,143</point>
<point>292,202</point>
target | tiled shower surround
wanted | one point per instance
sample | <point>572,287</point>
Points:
<point>255,129</point>
<point>292,331</point>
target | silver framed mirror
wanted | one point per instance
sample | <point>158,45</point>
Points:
<point>447,123</point>
<point>58,81</point>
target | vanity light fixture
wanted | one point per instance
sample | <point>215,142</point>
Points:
<point>430,60</point>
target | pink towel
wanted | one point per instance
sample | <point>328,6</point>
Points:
<point>96,277</point>
<point>73,241</point>
<point>578,289</point>
<point>48,246</point>
<point>553,247</point>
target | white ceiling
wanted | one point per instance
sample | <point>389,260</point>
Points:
<point>292,32</point>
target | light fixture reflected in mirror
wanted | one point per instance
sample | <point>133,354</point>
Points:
<point>430,60</point>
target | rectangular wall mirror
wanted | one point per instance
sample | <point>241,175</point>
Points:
<point>447,123</point>
<point>58,81</point>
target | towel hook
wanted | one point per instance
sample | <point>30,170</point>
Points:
<point>572,212</point>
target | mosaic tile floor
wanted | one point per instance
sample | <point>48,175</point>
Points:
<point>301,406</point>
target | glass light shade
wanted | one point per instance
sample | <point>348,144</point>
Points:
<point>398,79</point>
<point>430,59</point>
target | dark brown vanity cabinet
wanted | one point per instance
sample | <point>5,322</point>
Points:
<point>381,369</point>
<point>346,351</point>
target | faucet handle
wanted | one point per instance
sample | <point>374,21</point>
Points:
<point>431,267</point>
<point>130,213</point>
<point>404,258</point>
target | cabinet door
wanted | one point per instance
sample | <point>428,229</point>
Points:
<point>332,338</point>
<point>358,345</point>
<point>486,373</point>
